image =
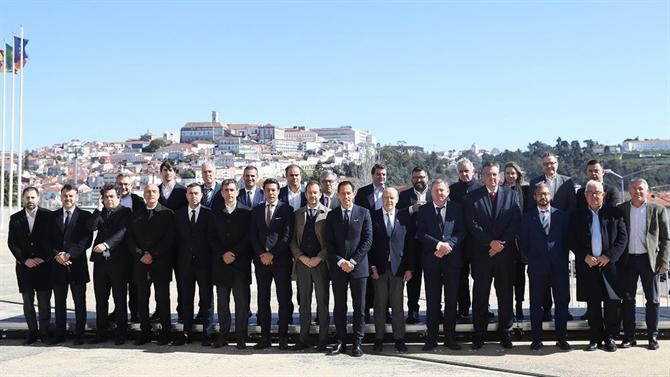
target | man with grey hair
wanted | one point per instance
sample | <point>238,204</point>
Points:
<point>210,187</point>
<point>328,182</point>
<point>646,259</point>
<point>128,199</point>
<point>598,238</point>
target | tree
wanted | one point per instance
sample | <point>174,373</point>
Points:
<point>154,146</point>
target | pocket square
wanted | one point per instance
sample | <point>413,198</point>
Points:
<point>356,220</point>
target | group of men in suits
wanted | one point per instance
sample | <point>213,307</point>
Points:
<point>370,243</point>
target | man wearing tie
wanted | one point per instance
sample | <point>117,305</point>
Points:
<point>599,239</point>
<point>270,234</point>
<point>308,246</point>
<point>70,237</point>
<point>231,263</point>
<point>250,195</point>
<point>646,260</point>
<point>440,229</point>
<point>210,187</point>
<point>194,257</point>
<point>391,262</point>
<point>544,241</point>
<point>27,242</point>
<point>328,189</point>
<point>412,199</point>
<point>348,240</point>
<point>493,217</point>
<point>150,239</point>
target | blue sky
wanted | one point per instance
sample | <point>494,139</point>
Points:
<point>441,74</point>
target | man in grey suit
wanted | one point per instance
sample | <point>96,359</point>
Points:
<point>308,247</point>
<point>646,259</point>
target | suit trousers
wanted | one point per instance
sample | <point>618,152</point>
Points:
<point>389,289</point>
<point>106,278</point>
<point>500,271</point>
<point>162,291</point>
<point>189,277</point>
<point>341,283</point>
<point>559,283</point>
<point>242,296</point>
<point>519,282</point>
<point>435,281</point>
<point>414,289</point>
<point>313,279</point>
<point>464,301</point>
<point>44,307</point>
<point>638,267</point>
<point>79,298</point>
<point>604,321</point>
<point>282,278</point>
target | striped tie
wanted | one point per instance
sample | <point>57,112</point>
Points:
<point>545,220</point>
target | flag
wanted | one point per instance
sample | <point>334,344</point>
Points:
<point>9,58</point>
<point>2,60</point>
<point>18,64</point>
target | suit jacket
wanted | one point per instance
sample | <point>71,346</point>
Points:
<point>216,192</point>
<point>485,225</point>
<point>154,235</point>
<point>407,198</point>
<point>400,244</point>
<point>230,232</point>
<point>658,233</point>
<point>545,253</point>
<point>612,197</point>
<point>614,242</point>
<point>74,240</point>
<point>193,248</point>
<point>564,198</point>
<point>428,232</point>
<point>112,226</point>
<point>459,191</point>
<point>275,238</point>
<point>349,241</point>
<point>283,196</point>
<point>300,217</point>
<point>25,244</point>
<point>177,197</point>
<point>259,198</point>
<point>334,201</point>
<point>365,197</point>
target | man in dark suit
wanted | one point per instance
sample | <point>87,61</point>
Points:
<point>328,181</point>
<point>544,242</point>
<point>458,193</point>
<point>595,171</point>
<point>250,196</point>
<point>391,261</point>
<point>150,240</point>
<point>348,240</point>
<point>441,228</point>
<point>598,239</point>
<point>69,238</point>
<point>493,217</point>
<point>194,256</point>
<point>562,190</point>
<point>412,199</point>
<point>135,203</point>
<point>27,242</point>
<point>293,194</point>
<point>210,187</point>
<point>308,246</point>
<point>646,258</point>
<point>370,198</point>
<point>110,263</point>
<point>228,237</point>
<point>270,234</point>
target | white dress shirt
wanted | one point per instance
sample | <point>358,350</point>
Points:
<point>294,199</point>
<point>31,219</point>
<point>637,241</point>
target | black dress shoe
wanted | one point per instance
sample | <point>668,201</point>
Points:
<point>592,346</point>
<point>412,317</point>
<point>99,339</point>
<point>452,345</point>
<point>653,344</point>
<point>506,343</point>
<point>429,345</point>
<point>180,340</point>
<point>321,347</point>
<point>340,348</point>
<point>563,345</point>
<point>378,347</point>
<point>627,343</point>
<point>400,346</point>
<point>163,340</point>
<point>477,344</point>
<point>536,345</point>
<point>241,346</point>
<point>30,339</point>
<point>220,342</point>
<point>299,346</point>
<point>206,341</point>
<point>119,340</point>
<point>283,344</point>
<point>610,345</point>
<point>58,339</point>
<point>262,344</point>
<point>142,338</point>
<point>356,351</point>
<point>78,341</point>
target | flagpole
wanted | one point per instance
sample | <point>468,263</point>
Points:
<point>11,140</point>
<point>4,147</point>
<point>20,162</point>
